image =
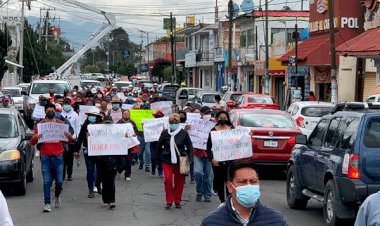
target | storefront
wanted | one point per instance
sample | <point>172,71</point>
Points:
<point>277,74</point>
<point>258,77</point>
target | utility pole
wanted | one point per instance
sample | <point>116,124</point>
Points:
<point>301,5</point>
<point>147,43</point>
<point>334,96</point>
<point>21,59</point>
<point>172,46</point>
<point>266,49</point>
<point>46,28</point>
<point>230,15</point>
<point>216,11</point>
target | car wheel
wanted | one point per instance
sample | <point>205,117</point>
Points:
<point>21,186</point>
<point>30,175</point>
<point>293,192</point>
<point>330,205</point>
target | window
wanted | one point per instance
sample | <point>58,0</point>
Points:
<point>22,125</point>
<point>295,110</point>
<point>264,100</point>
<point>243,39</point>
<point>208,98</point>
<point>316,137</point>
<point>43,88</point>
<point>250,37</point>
<point>235,97</point>
<point>371,100</point>
<point>12,92</point>
<point>8,126</point>
<point>266,121</point>
<point>290,109</point>
<point>372,133</point>
<point>348,129</point>
<point>316,111</point>
<point>332,133</point>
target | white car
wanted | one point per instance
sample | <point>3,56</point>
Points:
<point>307,114</point>
<point>15,93</point>
<point>374,98</point>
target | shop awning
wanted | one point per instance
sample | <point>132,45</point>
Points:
<point>314,51</point>
<point>275,67</point>
<point>365,44</point>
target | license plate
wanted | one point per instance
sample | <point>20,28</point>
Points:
<point>271,143</point>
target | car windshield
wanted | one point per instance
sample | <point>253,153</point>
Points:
<point>8,126</point>
<point>122,84</point>
<point>90,84</point>
<point>266,121</point>
<point>192,91</point>
<point>258,99</point>
<point>235,97</point>
<point>372,133</point>
<point>43,88</point>
<point>208,98</point>
<point>316,111</point>
<point>170,89</point>
<point>12,92</point>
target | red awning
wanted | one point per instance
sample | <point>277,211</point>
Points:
<point>314,51</point>
<point>365,44</point>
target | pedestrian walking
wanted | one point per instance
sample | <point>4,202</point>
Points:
<point>153,150</point>
<point>171,141</point>
<point>219,168</point>
<point>243,207</point>
<point>5,217</point>
<point>115,112</point>
<point>369,212</point>
<point>51,159</point>
<point>93,117</point>
<point>183,119</point>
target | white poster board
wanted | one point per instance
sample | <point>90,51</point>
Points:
<point>231,144</point>
<point>165,106</point>
<point>38,112</point>
<point>126,106</point>
<point>52,131</point>
<point>191,116</point>
<point>153,128</point>
<point>83,110</point>
<point>199,132</point>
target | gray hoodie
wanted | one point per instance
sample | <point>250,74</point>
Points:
<point>369,212</point>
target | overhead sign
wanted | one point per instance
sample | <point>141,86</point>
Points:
<point>190,60</point>
<point>167,23</point>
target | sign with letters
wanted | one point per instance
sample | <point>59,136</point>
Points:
<point>38,112</point>
<point>154,127</point>
<point>199,132</point>
<point>231,144</point>
<point>52,131</point>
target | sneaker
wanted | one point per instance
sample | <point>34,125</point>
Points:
<point>168,206</point>
<point>47,208</point>
<point>198,198</point>
<point>95,190</point>
<point>141,167</point>
<point>112,206</point>
<point>70,179</point>
<point>221,205</point>
<point>100,190</point>
<point>207,199</point>
<point>57,202</point>
<point>192,181</point>
<point>91,195</point>
<point>128,179</point>
<point>178,206</point>
<point>147,169</point>
<point>214,193</point>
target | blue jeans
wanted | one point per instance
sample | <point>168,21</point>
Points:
<point>144,155</point>
<point>91,171</point>
<point>52,168</point>
<point>202,174</point>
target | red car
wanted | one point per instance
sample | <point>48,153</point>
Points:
<point>231,97</point>
<point>273,134</point>
<point>251,100</point>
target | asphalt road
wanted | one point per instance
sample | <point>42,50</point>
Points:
<point>140,202</point>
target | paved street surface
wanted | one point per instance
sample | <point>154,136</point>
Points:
<point>140,202</point>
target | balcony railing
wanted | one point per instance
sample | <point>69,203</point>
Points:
<point>205,56</point>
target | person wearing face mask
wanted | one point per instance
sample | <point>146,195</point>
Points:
<point>68,156</point>
<point>5,102</point>
<point>128,158</point>
<point>206,113</point>
<point>153,150</point>
<point>93,117</point>
<point>243,207</point>
<point>51,159</point>
<point>115,112</point>
<point>97,102</point>
<point>219,168</point>
<point>167,155</point>
<point>137,104</point>
<point>103,106</point>
<point>78,102</point>
<point>183,117</point>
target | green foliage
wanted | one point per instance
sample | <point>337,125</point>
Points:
<point>91,69</point>
<point>167,74</point>
<point>159,67</point>
<point>5,42</point>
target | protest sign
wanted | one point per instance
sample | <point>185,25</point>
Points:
<point>165,106</point>
<point>83,109</point>
<point>191,116</point>
<point>231,144</point>
<point>109,139</point>
<point>126,106</point>
<point>154,127</point>
<point>199,132</point>
<point>52,131</point>
<point>139,115</point>
<point>38,112</point>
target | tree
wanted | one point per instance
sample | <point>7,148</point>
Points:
<point>5,42</point>
<point>159,67</point>
<point>91,69</point>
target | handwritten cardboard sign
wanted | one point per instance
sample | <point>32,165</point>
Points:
<point>127,106</point>
<point>109,139</point>
<point>199,132</point>
<point>231,144</point>
<point>139,115</point>
<point>83,110</point>
<point>38,112</point>
<point>191,116</point>
<point>154,127</point>
<point>165,106</point>
<point>52,131</point>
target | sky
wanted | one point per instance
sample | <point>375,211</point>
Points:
<point>139,17</point>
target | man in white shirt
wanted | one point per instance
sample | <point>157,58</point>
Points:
<point>68,156</point>
<point>5,217</point>
<point>219,104</point>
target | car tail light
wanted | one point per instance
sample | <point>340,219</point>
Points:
<point>300,122</point>
<point>292,141</point>
<point>353,167</point>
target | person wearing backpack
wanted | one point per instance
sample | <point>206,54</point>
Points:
<point>51,159</point>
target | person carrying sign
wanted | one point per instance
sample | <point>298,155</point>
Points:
<point>219,168</point>
<point>153,150</point>
<point>51,159</point>
<point>171,141</point>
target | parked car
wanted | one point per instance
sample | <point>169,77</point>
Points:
<point>121,84</point>
<point>38,88</point>
<point>247,101</point>
<point>86,84</point>
<point>16,153</point>
<point>232,97</point>
<point>374,98</point>
<point>205,98</point>
<point>273,134</point>
<point>338,164</point>
<point>24,86</point>
<point>17,98</point>
<point>169,91</point>
<point>307,114</point>
<point>181,94</point>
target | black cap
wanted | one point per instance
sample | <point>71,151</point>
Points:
<point>107,120</point>
<point>205,110</point>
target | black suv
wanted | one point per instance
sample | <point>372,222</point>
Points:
<point>339,164</point>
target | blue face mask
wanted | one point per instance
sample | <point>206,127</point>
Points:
<point>115,107</point>
<point>92,119</point>
<point>174,126</point>
<point>108,100</point>
<point>66,107</point>
<point>57,115</point>
<point>247,195</point>
<point>112,94</point>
